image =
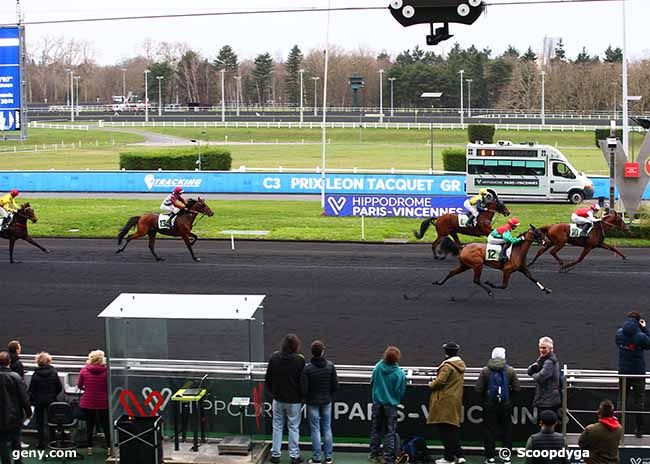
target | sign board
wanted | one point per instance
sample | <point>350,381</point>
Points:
<point>411,206</point>
<point>11,85</point>
<point>647,167</point>
<point>632,170</point>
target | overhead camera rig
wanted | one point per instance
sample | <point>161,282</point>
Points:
<point>410,12</point>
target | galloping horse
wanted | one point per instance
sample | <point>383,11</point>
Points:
<point>448,224</point>
<point>558,236</point>
<point>472,256</point>
<point>147,224</point>
<point>17,230</point>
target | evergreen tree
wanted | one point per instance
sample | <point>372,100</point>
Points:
<point>613,55</point>
<point>292,82</point>
<point>529,56</point>
<point>511,52</point>
<point>164,69</point>
<point>227,59</point>
<point>560,53</point>
<point>262,74</point>
<point>583,57</point>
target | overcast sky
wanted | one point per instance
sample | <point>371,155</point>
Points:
<point>593,25</point>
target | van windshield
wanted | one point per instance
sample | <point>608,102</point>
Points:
<point>562,170</point>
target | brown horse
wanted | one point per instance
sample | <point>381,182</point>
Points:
<point>472,256</point>
<point>147,224</point>
<point>558,237</point>
<point>17,230</point>
<point>447,224</point>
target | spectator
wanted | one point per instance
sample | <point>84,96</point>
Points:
<point>497,384</point>
<point>546,374</point>
<point>446,402</point>
<point>388,384</point>
<point>44,389</point>
<point>14,349</point>
<point>14,408</point>
<point>632,339</point>
<point>283,383</point>
<point>318,383</point>
<point>93,380</point>
<point>602,438</point>
<point>546,439</point>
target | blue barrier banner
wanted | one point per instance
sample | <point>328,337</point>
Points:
<point>9,78</point>
<point>411,206</point>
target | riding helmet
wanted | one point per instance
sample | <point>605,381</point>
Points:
<point>513,221</point>
<point>595,207</point>
<point>15,193</point>
<point>178,190</point>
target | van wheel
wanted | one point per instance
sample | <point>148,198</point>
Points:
<point>576,196</point>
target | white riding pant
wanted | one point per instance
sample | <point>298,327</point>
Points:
<point>3,212</point>
<point>169,209</point>
<point>471,208</point>
<point>580,220</point>
<point>495,241</point>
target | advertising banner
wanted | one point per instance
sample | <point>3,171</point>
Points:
<point>411,206</point>
<point>10,80</point>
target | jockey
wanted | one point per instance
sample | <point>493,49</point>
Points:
<point>584,217</point>
<point>503,236</point>
<point>7,206</point>
<point>173,203</point>
<point>475,205</point>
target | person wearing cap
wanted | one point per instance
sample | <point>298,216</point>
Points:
<point>584,217</point>
<point>602,438</point>
<point>546,439</point>
<point>503,236</point>
<point>633,339</point>
<point>7,206</point>
<point>497,384</point>
<point>475,205</point>
<point>445,403</point>
<point>545,371</point>
<point>173,203</point>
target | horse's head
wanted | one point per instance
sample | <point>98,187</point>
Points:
<point>199,206</point>
<point>28,212</point>
<point>534,234</point>
<point>501,208</point>
<point>613,218</point>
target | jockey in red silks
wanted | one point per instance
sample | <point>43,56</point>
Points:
<point>173,203</point>
<point>584,217</point>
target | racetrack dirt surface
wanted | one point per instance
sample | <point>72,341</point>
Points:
<point>349,295</point>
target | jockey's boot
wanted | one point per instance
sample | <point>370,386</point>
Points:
<point>503,257</point>
<point>5,220</point>
<point>169,219</point>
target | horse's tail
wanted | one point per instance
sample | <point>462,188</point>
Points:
<point>424,227</point>
<point>449,246</point>
<point>128,226</point>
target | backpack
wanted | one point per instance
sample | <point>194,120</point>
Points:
<point>498,388</point>
<point>414,450</point>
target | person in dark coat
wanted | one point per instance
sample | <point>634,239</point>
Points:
<point>14,408</point>
<point>546,439</point>
<point>14,349</point>
<point>282,381</point>
<point>93,380</point>
<point>318,383</point>
<point>44,390</point>
<point>497,406</point>
<point>602,438</point>
<point>546,374</point>
<point>632,340</point>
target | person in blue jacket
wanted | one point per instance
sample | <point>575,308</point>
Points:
<point>388,385</point>
<point>632,340</point>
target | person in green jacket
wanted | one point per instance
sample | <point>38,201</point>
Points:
<point>503,236</point>
<point>388,385</point>
<point>602,438</point>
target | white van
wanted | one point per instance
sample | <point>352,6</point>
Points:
<point>525,172</point>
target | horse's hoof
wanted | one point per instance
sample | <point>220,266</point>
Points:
<point>197,260</point>
<point>435,282</point>
<point>491,294</point>
<point>160,258</point>
<point>548,291</point>
<point>47,251</point>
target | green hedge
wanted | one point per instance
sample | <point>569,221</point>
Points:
<point>212,159</point>
<point>454,159</point>
<point>602,134</point>
<point>483,132</point>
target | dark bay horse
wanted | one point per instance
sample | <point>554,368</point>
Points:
<point>447,224</point>
<point>558,236</point>
<point>147,224</point>
<point>472,256</point>
<point>17,230</point>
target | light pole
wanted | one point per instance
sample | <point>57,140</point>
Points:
<point>124,85</point>
<point>381,96</point>
<point>160,78</point>
<point>71,71</point>
<point>462,113</point>
<point>302,109</point>
<point>615,84</point>
<point>543,99</point>
<point>431,95</point>
<point>469,97</point>
<point>223,95</point>
<point>315,79</point>
<point>392,108</point>
<point>626,134</point>
<point>146,95</point>
<point>76,80</point>
<point>237,91</point>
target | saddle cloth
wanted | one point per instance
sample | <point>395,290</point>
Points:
<point>463,219</point>
<point>575,231</point>
<point>163,221</point>
<point>492,252</point>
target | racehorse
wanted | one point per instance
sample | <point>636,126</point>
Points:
<point>472,256</point>
<point>147,224</point>
<point>448,224</point>
<point>17,230</point>
<point>558,236</point>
